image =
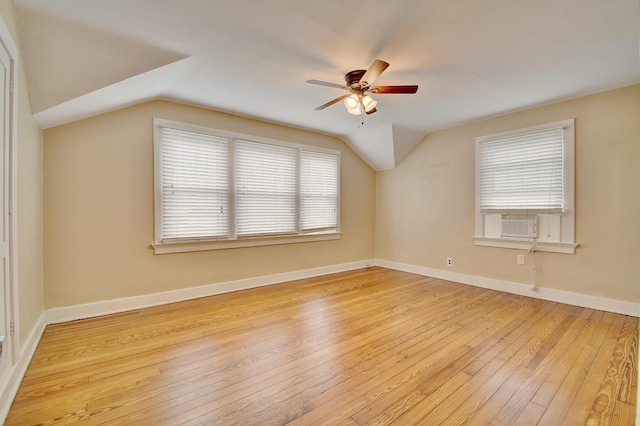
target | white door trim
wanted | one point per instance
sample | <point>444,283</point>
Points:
<point>7,40</point>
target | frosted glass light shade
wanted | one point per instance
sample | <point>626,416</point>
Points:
<point>368,103</point>
<point>354,111</point>
<point>351,102</point>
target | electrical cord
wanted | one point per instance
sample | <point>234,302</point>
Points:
<point>534,265</point>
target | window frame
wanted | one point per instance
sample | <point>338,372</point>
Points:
<point>161,246</point>
<point>561,237</point>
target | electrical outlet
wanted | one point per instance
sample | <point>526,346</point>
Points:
<point>449,261</point>
<point>521,259</point>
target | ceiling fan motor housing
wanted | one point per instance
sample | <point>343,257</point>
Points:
<point>353,78</point>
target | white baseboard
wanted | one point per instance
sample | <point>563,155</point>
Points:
<point>70,313</point>
<point>561,296</point>
<point>16,373</point>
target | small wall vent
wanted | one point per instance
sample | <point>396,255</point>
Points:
<point>519,226</point>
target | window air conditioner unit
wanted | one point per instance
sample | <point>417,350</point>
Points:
<point>519,225</point>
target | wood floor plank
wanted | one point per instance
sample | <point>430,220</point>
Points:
<point>365,347</point>
<point>566,392</point>
<point>581,405</point>
<point>608,403</point>
<point>484,414</point>
<point>530,415</point>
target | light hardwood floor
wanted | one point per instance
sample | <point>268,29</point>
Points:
<point>366,347</point>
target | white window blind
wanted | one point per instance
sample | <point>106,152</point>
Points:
<point>216,189</point>
<point>266,189</point>
<point>194,185</point>
<point>320,182</point>
<point>522,173</point>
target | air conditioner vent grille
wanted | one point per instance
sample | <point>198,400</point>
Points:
<point>519,226</point>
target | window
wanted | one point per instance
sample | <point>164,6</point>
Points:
<point>216,189</point>
<point>524,188</point>
<point>320,195</point>
<point>266,189</point>
<point>194,185</point>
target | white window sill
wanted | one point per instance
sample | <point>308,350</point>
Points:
<point>188,246</point>
<point>526,244</point>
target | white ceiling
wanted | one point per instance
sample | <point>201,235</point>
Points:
<point>472,59</point>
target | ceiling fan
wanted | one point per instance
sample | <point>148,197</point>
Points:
<point>359,84</point>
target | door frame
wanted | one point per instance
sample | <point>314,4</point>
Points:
<point>12,174</point>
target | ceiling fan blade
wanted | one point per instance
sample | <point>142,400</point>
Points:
<point>373,72</point>
<point>394,89</point>
<point>328,104</point>
<point>326,83</point>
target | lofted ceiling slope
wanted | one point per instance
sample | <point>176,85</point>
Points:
<point>471,59</point>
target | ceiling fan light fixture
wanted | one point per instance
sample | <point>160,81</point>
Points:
<point>352,102</point>
<point>354,111</point>
<point>368,103</point>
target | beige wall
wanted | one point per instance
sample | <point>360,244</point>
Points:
<point>425,207</point>
<point>29,208</point>
<point>99,210</point>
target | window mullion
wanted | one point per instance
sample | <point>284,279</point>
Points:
<point>232,189</point>
<point>299,192</point>
<point>158,171</point>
